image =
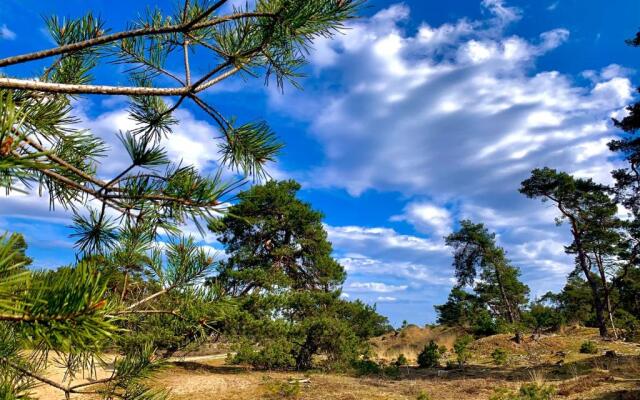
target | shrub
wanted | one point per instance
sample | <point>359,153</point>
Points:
<point>485,325</point>
<point>542,317</point>
<point>284,390</point>
<point>630,325</point>
<point>429,357</point>
<point>402,360</point>
<point>588,347</point>
<point>500,356</point>
<point>461,348</point>
<point>423,396</point>
<point>391,372</point>
<point>273,355</point>
<point>528,391</point>
<point>366,367</point>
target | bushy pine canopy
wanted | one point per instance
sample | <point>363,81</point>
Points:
<point>279,266</point>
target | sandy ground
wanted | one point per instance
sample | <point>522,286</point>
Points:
<point>554,359</point>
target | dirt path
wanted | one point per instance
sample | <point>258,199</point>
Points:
<point>211,357</point>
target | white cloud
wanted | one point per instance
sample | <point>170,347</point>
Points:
<point>416,275</point>
<point>456,113</point>
<point>6,33</point>
<point>386,298</point>
<point>505,15</point>
<point>428,218</point>
<point>427,114</point>
<point>356,238</point>
<point>376,287</point>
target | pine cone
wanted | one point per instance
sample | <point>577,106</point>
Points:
<point>5,147</point>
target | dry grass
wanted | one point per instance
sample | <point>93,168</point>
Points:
<point>411,340</point>
<point>552,359</point>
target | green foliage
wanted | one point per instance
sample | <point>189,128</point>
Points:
<point>461,349</point>
<point>460,309</point>
<point>366,367</point>
<point>589,347</point>
<point>629,324</point>
<point>401,360</point>
<point>284,390</point>
<point>529,391</point>
<point>591,214</point>
<point>484,324</point>
<point>280,269</point>
<point>423,396</point>
<point>273,354</point>
<point>500,356</point>
<point>273,241</point>
<point>540,317</point>
<point>574,304</point>
<point>480,263</point>
<point>430,356</point>
<point>137,287</point>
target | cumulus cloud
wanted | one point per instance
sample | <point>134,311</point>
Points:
<point>427,217</point>
<point>456,113</point>
<point>427,120</point>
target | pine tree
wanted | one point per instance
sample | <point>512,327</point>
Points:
<point>596,231</point>
<point>480,262</point>
<point>280,268</point>
<point>460,309</point>
<point>122,278</point>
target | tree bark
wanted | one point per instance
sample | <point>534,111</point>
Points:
<point>505,299</point>
<point>582,261</point>
<point>607,293</point>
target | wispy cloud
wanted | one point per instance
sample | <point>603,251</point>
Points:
<point>6,33</point>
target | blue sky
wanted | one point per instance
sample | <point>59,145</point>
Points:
<point>420,114</point>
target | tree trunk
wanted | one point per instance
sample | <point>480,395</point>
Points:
<point>505,299</point>
<point>304,358</point>
<point>582,261</point>
<point>607,293</point>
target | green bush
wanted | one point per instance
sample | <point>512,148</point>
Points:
<point>589,347</point>
<point>541,317</point>
<point>528,391</point>
<point>366,367</point>
<point>500,356</point>
<point>402,360</point>
<point>391,372</point>
<point>485,325</point>
<point>630,325</point>
<point>461,348</point>
<point>284,390</point>
<point>423,396</point>
<point>276,354</point>
<point>429,357</point>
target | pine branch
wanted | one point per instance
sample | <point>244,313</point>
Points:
<point>85,44</point>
